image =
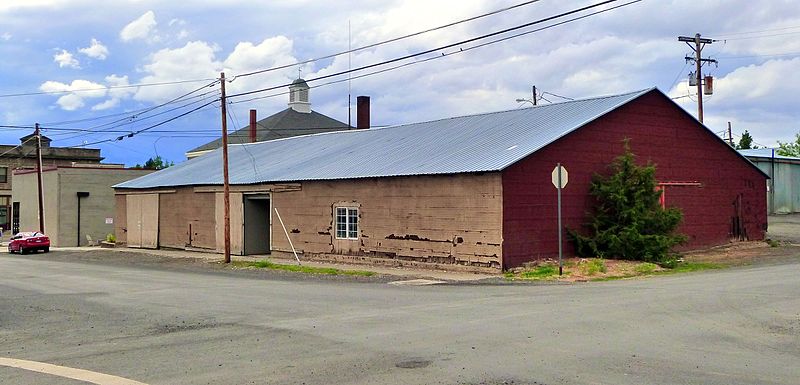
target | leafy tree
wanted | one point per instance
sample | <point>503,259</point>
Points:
<point>628,221</point>
<point>156,163</point>
<point>790,148</point>
<point>745,142</point>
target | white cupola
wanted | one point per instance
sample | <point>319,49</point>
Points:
<point>298,96</point>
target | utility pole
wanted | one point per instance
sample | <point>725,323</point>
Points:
<point>730,135</point>
<point>699,44</point>
<point>39,177</point>
<point>226,192</point>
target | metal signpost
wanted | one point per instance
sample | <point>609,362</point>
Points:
<point>560,179</point>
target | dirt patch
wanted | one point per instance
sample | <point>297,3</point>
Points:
<point>746,253</point>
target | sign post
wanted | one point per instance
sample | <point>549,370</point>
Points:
<point>560,178</point>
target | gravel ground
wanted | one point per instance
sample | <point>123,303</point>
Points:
<point>785,228</point>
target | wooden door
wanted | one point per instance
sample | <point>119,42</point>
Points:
<point>149,220</point>
<point>236,221</point>
<point>133,207</point>
<point>142,212</point>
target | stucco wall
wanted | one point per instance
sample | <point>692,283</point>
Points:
<point>61,202</point>
<point>25,191</point>
<point>182,209</point>
<point>442,219</point>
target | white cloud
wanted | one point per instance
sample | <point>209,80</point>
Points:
<point>6,36</point>
<point>195,60</point>
<point>140,28</point>
<point>198,60</point>
<point>65,59</point>
<point>95,50</point>
<point>110,103</point>
<point>74,100</point>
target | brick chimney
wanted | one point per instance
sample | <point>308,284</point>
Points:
<point>253,124</point>
<point>362,112</point>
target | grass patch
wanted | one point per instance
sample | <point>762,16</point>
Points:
<point>594,266</point>
<point>686,267</point>
<point>542,272</point>
<point>265,264</point>
<point>646,268</point>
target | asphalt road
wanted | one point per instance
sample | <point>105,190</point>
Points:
<point>205,326</point>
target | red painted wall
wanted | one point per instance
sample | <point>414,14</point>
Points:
<point>660,132</point>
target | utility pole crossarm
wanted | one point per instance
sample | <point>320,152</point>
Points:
<point>699,44</point>
<point>691,39</point>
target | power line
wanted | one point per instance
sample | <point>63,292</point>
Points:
<point>759,37</point>
<point>152,126</point>
<point>558,96</point>
<point>130,118</point>
<point>138,119</point>
<point>373,45</point>
<point>409,56</point>
<point>105,88</point>
<point>764,55</point>
<point>754,32</point>
<point>425,52</point>
<point>461,50</point>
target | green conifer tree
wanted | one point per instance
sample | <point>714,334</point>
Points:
<point>628,221</point>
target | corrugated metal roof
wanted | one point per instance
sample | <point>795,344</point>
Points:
<point>475,143</point>
<point>765,153</point>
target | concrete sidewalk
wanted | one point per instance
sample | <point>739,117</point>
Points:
<point>443,275</point>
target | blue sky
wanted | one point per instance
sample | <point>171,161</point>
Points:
<point>67,45</point>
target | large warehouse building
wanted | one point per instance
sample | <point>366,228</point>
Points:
<point>471,191</point>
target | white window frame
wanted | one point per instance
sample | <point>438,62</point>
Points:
<point>351,228</point>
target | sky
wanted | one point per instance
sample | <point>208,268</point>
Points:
<point>91,71</point>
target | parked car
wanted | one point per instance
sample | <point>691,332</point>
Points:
<point>29,241</point>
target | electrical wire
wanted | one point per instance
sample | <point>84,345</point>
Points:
<point>558,96</point>
<point>757,37</point>
<point>398,59</point>
<point>131,118</point>
<point>152,126</point>
<point>425,52</point>
<point>105,88</point>
<point>392,40</point>
<point>754,32</point>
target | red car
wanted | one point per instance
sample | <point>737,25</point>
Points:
<point>29,241</point>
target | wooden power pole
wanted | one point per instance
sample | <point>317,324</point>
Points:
<point>699,44</point>
<point>226,187</point>
<point>39,177</point>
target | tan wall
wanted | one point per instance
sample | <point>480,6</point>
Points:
<point>95,208</point>
<point>236,222</point>
<point>25,191</point>
<point>443,219</point>
<point>60,188</point>
<point>29,161</point>
<point>182,208</point>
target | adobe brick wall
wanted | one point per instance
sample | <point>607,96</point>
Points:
<point>449,219</point>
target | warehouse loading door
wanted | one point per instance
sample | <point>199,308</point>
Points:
<point>142,210</point>
<point>256,224</point>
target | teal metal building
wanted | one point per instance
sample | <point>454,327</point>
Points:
<point>783,187</point>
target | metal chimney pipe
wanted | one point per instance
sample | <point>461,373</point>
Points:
<point>362,112</point>
<point>253,124</point>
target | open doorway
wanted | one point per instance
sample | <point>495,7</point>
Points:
<point>257,224</point>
